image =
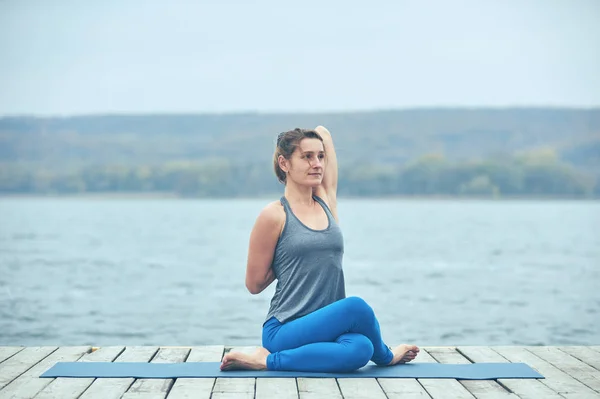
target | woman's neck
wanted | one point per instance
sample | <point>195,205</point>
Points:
<point>298,194</point>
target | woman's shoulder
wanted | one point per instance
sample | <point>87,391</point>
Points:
<point>272,213</point>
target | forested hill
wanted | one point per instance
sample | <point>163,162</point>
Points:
<point>541,151</point>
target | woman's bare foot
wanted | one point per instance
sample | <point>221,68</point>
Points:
<point>243,361</point>
<point>404,354</point>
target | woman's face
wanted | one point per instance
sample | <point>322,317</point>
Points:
<point>306,165</point>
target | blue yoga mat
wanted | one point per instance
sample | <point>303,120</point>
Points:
<point>475,371</point>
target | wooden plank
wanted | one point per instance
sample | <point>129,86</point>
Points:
<point>8,351</point>
<point>556,379</point>
<point>317,388</point>
<point>114,388</point>
<point>583,353</point>
<point>484,389</point>
<point>524,388</point>
<point>21,362</point>
<point>276,388</point>
<point>577,369</point>
<point>358,388</point>
<point>226,388</point>
<point>67,388</point>
<point>230,388</point>
<point>197,388</point>
<point>440,387</point>
<point>157,388</point>
<point>30,384</point>
<point>401,388</point>
<point>242,388</point>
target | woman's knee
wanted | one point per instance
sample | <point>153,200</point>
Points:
<point>361,351</point>
<point>358,306</point>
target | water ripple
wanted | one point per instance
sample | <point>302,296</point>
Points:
<point>154,272</point>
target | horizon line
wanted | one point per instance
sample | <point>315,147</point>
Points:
<point>300,112</point>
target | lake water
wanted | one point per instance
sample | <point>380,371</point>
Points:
<point>171,272</point>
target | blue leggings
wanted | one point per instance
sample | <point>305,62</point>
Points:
<point>340,337</point>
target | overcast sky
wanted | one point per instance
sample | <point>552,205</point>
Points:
<point>65,57</point>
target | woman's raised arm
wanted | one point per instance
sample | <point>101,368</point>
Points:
<point>328,188</point>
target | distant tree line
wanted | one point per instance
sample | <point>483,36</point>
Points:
<point>431,175</point>
<point>535,152</point>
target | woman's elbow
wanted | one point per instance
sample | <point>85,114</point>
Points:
<point>253,287</point>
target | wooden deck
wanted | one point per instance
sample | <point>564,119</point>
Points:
<point>571,372</point>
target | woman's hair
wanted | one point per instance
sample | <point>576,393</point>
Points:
<point>287,142</point>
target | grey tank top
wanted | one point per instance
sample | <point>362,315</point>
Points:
<point>308,266</point>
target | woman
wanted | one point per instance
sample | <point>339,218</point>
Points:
<point>311,325</point>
